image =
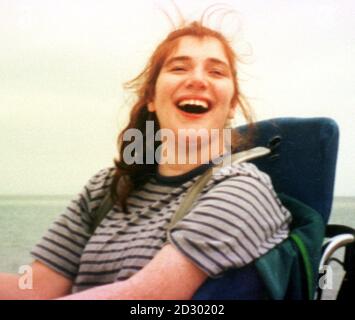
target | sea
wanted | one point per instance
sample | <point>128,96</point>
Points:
<point>24,219</point>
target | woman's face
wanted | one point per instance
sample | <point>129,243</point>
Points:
<point>194,89</point>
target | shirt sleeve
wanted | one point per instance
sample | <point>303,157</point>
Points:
<point>62,245</point>
<point>235,222</point>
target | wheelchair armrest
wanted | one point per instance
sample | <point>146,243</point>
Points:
<point>332,245</point>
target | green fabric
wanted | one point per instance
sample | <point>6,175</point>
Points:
<point>289,270</point>
<point>306,261</point>
<point>105,207</point>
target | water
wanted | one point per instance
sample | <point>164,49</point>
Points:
<point>24,219</point>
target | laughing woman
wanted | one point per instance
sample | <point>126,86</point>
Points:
<point>189,83</point>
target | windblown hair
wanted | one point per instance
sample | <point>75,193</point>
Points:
<point>129,176</point>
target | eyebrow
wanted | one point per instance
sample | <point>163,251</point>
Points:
<point>188,59</point>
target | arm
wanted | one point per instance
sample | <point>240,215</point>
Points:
<point>170,275</point>
<point>46,284</point>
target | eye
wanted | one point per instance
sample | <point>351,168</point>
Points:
<point>178,69</point>
<point>218,72</point>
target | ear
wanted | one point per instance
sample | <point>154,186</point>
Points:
<point>151,107</point>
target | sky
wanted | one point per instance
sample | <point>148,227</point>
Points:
<point>63,65</point>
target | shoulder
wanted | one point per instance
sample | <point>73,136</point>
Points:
<point>245,188</point>
<point>240,172</point>
<point>63,244</point>
<point>102,177</point>
<point>95,189</point>
<point>100,181</point>
<point>237,219</point>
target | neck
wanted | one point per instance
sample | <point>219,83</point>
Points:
<point>176,169</point>
<point>176,164</point>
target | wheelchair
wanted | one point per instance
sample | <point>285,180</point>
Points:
<point>302,166</point>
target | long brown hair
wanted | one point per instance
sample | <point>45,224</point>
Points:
<point>129,176</point>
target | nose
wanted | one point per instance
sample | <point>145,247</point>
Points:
<point>196,80</point>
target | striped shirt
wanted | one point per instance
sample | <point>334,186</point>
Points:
<point>236,219</point>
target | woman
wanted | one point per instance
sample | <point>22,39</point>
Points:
<point>189,83</point>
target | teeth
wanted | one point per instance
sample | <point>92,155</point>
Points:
<point>200,103</point>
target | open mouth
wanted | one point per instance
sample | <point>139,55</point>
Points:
<point>193,106</point>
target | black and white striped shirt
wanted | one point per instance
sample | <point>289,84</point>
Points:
<point>236,219</point>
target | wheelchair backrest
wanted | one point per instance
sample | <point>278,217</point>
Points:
<point>303,159</point>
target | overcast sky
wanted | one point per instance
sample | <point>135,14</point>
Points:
<point>63,63</point>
